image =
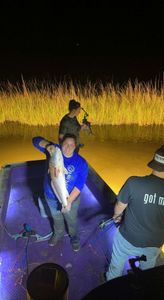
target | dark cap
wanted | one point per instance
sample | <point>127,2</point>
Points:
<point>157,163</point>
<point>69,136</point>
<point>73,104</point>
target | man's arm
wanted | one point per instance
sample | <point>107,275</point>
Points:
<point>123,199</point>
<point>118,210</point>
<point>73,195</point>
<point>84,127</point>
<point>41,144</point>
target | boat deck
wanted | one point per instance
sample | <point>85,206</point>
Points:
<point>20,187</point>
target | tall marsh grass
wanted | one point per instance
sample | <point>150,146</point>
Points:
<point>138,103</point>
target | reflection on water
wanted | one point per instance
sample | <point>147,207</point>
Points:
<point>104,132</point>
<point>130,133</point>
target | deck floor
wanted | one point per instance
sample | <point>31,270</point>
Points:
<point>83,267</point>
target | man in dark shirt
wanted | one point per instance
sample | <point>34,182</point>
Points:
<point>142,229</point>
<point>70,124</point>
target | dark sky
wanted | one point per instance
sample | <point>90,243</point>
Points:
<point>90,38</point>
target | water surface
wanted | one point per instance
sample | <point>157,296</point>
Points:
<point>115,152</point>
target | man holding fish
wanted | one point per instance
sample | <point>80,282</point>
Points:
<point>65,177</point>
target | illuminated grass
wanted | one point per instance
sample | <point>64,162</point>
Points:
<point>141,104</point>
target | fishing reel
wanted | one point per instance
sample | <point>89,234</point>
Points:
<point>116,221</point>
<point>104,223</point>
<point>85,120</point>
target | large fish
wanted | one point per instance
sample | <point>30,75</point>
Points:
<point>58,182</point>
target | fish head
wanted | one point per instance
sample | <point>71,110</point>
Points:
<point>57,159</point>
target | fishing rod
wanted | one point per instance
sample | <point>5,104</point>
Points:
<point>107,222</point>
<point>85,120</point>
<point>28,232</point>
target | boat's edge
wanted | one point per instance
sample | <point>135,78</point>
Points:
<point>94,182</point>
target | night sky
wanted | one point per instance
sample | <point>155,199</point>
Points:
<point>105,40</point>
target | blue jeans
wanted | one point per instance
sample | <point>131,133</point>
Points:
<point>122,249</point>
<point>69,217</point>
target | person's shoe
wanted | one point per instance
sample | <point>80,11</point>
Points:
<point>53,240</point>
<point>75,244</point>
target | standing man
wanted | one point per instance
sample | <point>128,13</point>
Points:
<point>77,170</point>
<point>70,124</point>
<point>142,229</point>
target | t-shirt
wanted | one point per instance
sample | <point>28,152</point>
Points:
<point>143,224</point>
<point>69,125</point>
<point>77,170</point>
